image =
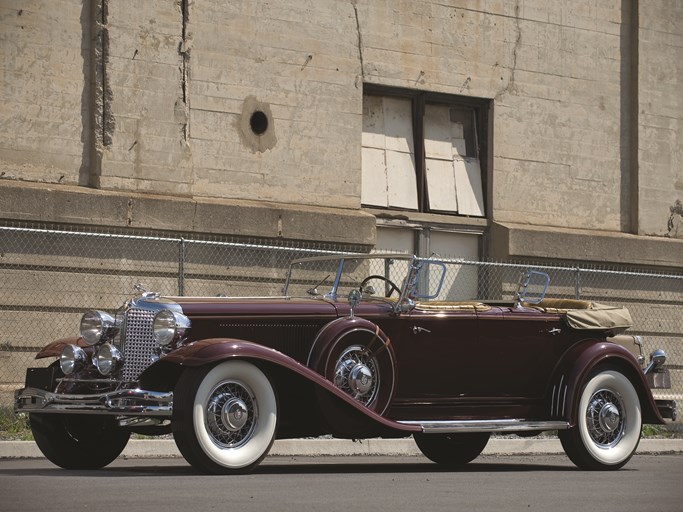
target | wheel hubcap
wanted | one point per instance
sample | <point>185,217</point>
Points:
<point>234,414</point>
<point>609,417</point>
<point>360,379</point>
<point>605,418</point>
<point>356,373</point>
<point>231,414</point>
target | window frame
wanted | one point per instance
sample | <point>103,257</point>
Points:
<point>481,108</point>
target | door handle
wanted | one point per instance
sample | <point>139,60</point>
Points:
<point>417,330</point>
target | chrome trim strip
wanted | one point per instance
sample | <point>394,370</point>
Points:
<point>127,402</point>
<point>513,425</point>
<point>559,391</point>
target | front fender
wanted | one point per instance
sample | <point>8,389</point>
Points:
<point>577,364</point>
<point>55,348</point>
<point>215,350</point>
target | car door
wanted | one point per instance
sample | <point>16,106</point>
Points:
<point>429,349</point>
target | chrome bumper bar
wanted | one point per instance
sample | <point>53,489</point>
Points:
<point>124,402</point>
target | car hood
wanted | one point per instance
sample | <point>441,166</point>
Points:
<point>254,306</point>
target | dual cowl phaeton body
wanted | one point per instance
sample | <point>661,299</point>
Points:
<point>357,347</point>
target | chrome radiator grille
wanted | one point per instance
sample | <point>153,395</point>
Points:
<point>138,342</point>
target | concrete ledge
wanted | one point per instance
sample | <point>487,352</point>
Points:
<point>514,241</point>
<point>68,204</point>
<point>166,448</point>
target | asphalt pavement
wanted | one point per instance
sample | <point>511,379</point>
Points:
<point>355,483</point>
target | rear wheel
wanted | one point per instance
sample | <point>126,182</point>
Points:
<point>77,441</point>
<point>452,449</point>
<point>608,424</point>
<point>225,417</point>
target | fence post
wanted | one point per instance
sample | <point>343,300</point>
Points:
<point>577,284</point>
<point>181,267</point>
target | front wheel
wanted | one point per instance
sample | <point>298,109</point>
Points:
<point>74,441</point>
<point>225,417</point>
<point>452,449</point>
<point>608,425</point>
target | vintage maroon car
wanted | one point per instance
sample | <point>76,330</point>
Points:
<point>357,347</point>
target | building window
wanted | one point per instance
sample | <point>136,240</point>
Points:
<point>424,152</point>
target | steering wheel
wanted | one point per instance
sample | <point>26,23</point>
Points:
<point>381,278</point>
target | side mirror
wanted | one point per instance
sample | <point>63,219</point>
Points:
<point>657,360</point>
<point>354,299</point>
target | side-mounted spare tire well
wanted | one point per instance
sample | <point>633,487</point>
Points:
<point>357,356</point>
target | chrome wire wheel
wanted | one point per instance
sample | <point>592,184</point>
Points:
<point>224,417</point>
<point>605,418</point>
<point>356,372</point>
<point>608,423</point>
<point>231,414</point>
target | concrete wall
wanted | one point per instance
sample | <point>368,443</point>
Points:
<point>156,97</point>
<point>660,118</point>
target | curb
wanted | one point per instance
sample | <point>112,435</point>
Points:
<point>166,448</point>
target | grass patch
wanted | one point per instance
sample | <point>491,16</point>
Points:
<point>659,431</point>
<point>13,427</point>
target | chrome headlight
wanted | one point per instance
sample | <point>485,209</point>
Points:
<point>170,327</point>
<point>97,326</point>
<point>108,359</point>
<point>73,359</point>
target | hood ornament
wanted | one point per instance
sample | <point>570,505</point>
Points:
<point>141,290</point>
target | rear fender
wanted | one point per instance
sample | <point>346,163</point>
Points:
<point>578,363</point>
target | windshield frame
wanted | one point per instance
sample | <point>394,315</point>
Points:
<point>409,287</point>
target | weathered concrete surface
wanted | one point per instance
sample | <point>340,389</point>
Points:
<point>516,241</point>
<point>660,118</point>
<point>79,205</point>
<point>156,98</point>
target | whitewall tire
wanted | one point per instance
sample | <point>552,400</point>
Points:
<point>225,417</point>
<point>608,424</point>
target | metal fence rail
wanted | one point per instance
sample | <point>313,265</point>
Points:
<point>49,276</point>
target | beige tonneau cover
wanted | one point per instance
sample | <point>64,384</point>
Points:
<point>589,315</point>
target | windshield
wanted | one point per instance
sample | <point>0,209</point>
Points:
<point>374,275</point>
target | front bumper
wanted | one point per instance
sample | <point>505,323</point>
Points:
<point>667,408</point>
<point>123,402</point>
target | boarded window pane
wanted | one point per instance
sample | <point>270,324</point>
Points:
<point>388,168</point>
<point>373,122</point>
<point>441,185</point>
<point>374,178</point>
<point>398,125</point>
<point>468,186</point>
<point>438,136</point>
<point>401,180</point>
<point>463,119</point>
<point>449,136</point>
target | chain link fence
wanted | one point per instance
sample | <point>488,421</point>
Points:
<point>50,276</point>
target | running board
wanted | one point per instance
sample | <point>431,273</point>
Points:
<point>449,426</point>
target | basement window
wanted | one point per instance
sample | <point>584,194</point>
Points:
<point>423,152</point>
